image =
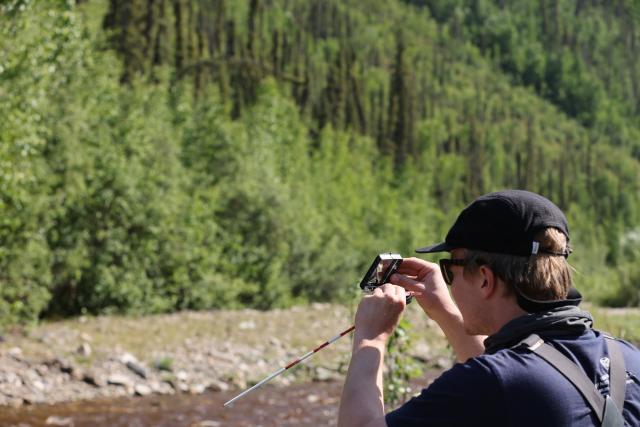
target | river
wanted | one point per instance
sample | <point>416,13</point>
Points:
<point>309,404</point>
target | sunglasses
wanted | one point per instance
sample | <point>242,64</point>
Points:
<point>445,268</point>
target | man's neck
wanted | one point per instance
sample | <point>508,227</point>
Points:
<point>507,310</point>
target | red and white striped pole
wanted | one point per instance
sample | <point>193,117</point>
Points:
<point>292,364</point>
<point>301,358</point>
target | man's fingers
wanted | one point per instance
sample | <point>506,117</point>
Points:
<point>392,291</point>
<point>406,282</point>
<point>416,267</point>
<point>379,291</point>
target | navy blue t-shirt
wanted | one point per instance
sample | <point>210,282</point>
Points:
<point>515,387</point>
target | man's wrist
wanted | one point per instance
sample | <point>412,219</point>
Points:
<point>378,343</point>
<point>446,316</point>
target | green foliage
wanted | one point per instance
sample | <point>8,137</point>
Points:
<point>400,366</point>
<point>157,156</point>
<point>164,364</point>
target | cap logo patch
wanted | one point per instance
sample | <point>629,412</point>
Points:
<point>534,247</point>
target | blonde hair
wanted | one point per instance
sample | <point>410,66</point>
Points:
<point>544,276</point>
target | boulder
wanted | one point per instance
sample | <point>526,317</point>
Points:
<point>218,386</point>
<point>84,350</point>
<point>197,388</point>
<point>323,374</point>
<point>62,364</point>
<point>93,378</point>
<point>137,368</point>
<point>142,390</point>
<point>119,380</point>
<point>182,376</point>
<point>15,352</point>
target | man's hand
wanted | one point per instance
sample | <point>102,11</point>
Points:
<point>424,277</point>
<point>379,313</point>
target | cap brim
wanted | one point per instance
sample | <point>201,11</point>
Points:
<point>438,247</point>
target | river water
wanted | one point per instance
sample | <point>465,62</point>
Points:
<point>310,404</point>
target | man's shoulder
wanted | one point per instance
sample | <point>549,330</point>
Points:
<point>630,351</point>
<point>491,370</point>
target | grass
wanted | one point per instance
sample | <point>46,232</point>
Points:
<point>276,336</point>
<point>620,322</point>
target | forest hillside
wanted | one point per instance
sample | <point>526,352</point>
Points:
<point>159,155</point>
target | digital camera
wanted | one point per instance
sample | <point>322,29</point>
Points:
<point>383,266</point>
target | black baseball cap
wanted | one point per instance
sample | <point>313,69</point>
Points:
<point>506,222</point>
<point>503,222</point>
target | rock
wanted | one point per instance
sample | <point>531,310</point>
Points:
<point>84,350</point>
<point>13,379</point>
<point>64,365</point>
<point>142,390</point>
<point>218,386</point>
<point>240,382</point>
<point>127,357</point>
<point>119,380</point>
<point>323,374</point>
<point>42,370</point>
<point>55,420</point>
<point>38,385</point>
<point>15,352</point>
<point>182,376</point>
<point>442,363</point>
<point>156,386</point>
<point>171,382</point>
<point>137,368</point>
<point>162,387</point>
<point>247,324</point>
<point>197,388</point>
<point>207,423</point>
<point>86,337</point>
<point>33,399</point>
<point>313,398</point>
<point>91,377</point>
<point>421,352</point>
<point>78,374</point>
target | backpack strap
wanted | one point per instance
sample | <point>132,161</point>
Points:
<point>617,372</point>
<point>612,416</point>
<point>570,371</point>
<point>606,409</point>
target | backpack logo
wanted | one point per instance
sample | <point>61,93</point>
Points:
<point>605,362</point>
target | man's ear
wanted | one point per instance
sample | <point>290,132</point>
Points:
<point>489,280</point>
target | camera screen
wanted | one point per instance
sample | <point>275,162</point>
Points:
<point>381,269</point>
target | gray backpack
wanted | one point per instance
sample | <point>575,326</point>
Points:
<point>608,409</point>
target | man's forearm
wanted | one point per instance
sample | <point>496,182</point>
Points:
<point>362,401</point>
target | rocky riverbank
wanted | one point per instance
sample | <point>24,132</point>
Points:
<point>191,352</point>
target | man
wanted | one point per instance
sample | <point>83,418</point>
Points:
<point>542,363</point>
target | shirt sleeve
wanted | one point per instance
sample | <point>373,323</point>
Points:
<point>465,395</point>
